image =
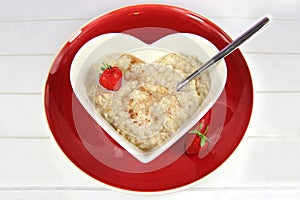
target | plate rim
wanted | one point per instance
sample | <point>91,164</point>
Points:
<point>129,191</point>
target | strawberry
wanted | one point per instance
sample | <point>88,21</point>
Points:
<point>196,138</point>
<point>192,144</point>
<point>111,77</point>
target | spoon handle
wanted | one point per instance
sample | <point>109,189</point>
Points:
<point>226,51</point>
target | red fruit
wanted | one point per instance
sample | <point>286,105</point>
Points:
<point>192,144</point>
<point>111,78</point>
<point>196,138</point>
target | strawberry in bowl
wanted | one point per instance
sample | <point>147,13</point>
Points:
<point>111,77</point>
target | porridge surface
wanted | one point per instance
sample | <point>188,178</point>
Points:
<point>147,110</point>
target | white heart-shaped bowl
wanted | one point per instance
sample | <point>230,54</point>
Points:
<point>115,43</point>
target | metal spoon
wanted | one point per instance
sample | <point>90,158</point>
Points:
<point>224,52</point>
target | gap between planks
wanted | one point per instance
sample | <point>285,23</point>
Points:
<point>70,188</point>
<point>92,17</point>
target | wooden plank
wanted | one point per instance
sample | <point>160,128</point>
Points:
<point>70,9</point>
<point>37,164</point>
<point>22,115</point>
<point>274,72</point>
<point>274,114</point>
<point>276,37</point>
<point>23,74</point>
<point>261,162</point>
<point>47,37</point>
<point>270,72</point>
<point>35,37</point>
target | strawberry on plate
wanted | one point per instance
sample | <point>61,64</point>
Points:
<point>111,77</point>
<point>196,139</point>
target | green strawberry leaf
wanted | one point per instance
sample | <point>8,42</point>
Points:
<point>195,131</point>
<point>200,126</point>
<point>206,130</point>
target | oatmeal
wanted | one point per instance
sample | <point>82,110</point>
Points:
<point>147,110</point>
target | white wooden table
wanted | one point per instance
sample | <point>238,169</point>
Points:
<point>267,166</point>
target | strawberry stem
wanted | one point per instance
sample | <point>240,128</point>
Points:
<point>200,126</point>
<point>206,130</point>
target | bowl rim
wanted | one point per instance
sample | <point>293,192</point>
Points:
<point>93,45</point>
